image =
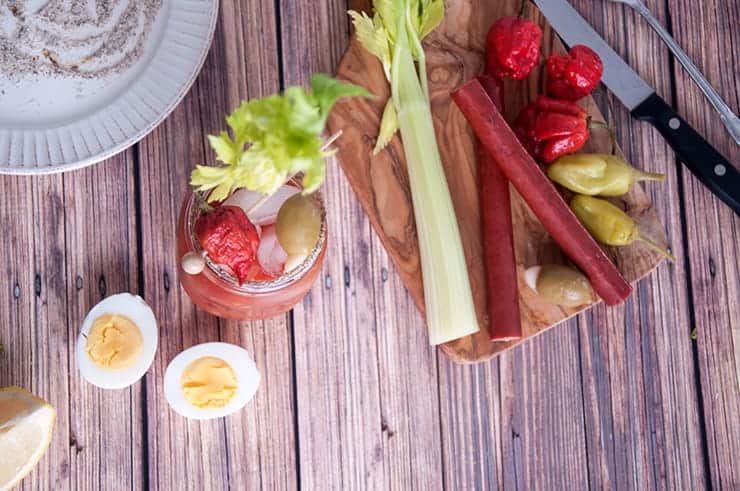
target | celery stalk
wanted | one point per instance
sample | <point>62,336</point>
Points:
<point>448,297</point>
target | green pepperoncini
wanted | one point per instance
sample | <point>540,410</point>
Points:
<point>610,225</point>
<point>595,174</point>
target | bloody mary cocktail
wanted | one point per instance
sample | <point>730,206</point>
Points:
<point>277,282</point>
<point>252,236</point>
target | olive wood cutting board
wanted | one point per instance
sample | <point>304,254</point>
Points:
<point>454,55</point>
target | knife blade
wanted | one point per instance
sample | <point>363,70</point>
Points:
<point>703,160</point>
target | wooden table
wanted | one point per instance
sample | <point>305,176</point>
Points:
<point>642,396</point>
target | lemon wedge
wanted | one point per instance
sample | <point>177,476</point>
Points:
<point>26,424</point>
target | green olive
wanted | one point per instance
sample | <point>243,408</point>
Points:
<point>298,224</point>
<point>564,286</point>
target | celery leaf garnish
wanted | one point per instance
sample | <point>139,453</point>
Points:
<point>272,139</point>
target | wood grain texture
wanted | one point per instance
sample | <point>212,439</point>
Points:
<point>105,435</point>
<point>37,297</point>
<point>365,378</point>
<point>640,368</point>
<point>711,37</point>
<point>454,55</point>
<point>505,427</point>
<point>63,260</point>
<point>352,396</point>
<point>254,448</point>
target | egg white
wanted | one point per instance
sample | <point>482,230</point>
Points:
<point>247,375</point>
<point>138,311</point>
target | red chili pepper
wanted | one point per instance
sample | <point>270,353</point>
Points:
<point>549,128</point>
<point>512,47</point>
<point>230,239</point>
<point>574,75</point>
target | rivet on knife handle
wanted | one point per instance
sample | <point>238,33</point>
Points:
<point>707,164</point>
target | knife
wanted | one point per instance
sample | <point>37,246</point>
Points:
<point>707,164</point>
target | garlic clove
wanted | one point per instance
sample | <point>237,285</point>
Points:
<point>531,275</point>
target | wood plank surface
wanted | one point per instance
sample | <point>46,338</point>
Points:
<point>36,289</point>
<point>711,37</point>
<point>647,349</point>
<point>105,437</point>
<point>352,397</point>
<point>67,250</point>
<point>255,447</point>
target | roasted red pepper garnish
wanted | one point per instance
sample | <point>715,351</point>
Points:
<point>549,128</point>
<point>229,238</point>
<point>512,47</point>
<point>574,75</point>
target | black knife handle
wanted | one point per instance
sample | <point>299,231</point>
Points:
<point>707,164</point>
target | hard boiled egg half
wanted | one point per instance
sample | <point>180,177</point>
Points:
<point>210,380</point>
<point>117,342</point>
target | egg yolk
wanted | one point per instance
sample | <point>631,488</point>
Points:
<point>209,382</point>
<point>114,342</point>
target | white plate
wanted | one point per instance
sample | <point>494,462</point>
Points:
<point>54,123</point>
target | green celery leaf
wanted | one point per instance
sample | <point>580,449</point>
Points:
<point>224,147</point>
<point>327,91</point>
<point>305,115</point>
<point>206,177</point>
<point>366,33</point>
<point>314,176</point>
<point>374,38</point>
<point>432,14</point>
<point>396,24</point>
<point>240,122</point>
<point>389,11</point>
<point>263,170</point>
<point>221,192</point>
<point>272,139</point>
<point>218,179</point>
<point>388,127</point>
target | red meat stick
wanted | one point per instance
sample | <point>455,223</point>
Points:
<point>498,237</point>
<point>539,193</point>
